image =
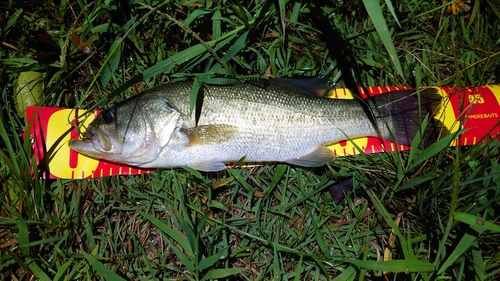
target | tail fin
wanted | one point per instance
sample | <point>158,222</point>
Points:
<point>404,114</point>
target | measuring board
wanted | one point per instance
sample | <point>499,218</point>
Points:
<point>475,109</point>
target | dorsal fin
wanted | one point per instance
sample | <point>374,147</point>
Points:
<point>316,87</point>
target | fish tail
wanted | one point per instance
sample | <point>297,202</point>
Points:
<point>400,114</point>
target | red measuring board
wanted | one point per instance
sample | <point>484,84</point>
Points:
<point>476,109</point>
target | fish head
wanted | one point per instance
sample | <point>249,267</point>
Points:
<point>131,133</point>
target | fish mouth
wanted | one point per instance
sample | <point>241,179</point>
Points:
<point>92,143</point>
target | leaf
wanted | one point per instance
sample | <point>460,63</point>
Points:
<point>278,175</point>
<point>216,25</point>
<point>13,18</point>
<point>494,7</point>
<point>299,269</point>
<point>418,180</point>
<point>101,269</point>
<point>28,91</point>
<point>236,47</point>
<point>391,9</point>
<point>321,242</point>
<point>167,65</point>
<point>190,235</point>
<point>61,270</point>
<point>202,222</point>
<point>194,15</point>
<point>37,271</point>
<point>477,222</point>
<point>435,148</point>
<point>465,243</point>
<point>415,143</point>
<point>375,13</point>
<point>396,265</point>
<point>348,275</point>
<point>220,273</point>
<point>178,238</point>
<point>105,27</point>
<point>479,264</point>
<point>217,205</point>
<point>173,233</point>
<point>195,99</point>
<point>112,63</point>
<point>211,260</point>
<point>23,232</point>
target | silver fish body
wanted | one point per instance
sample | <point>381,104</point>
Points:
<point>261,121</point>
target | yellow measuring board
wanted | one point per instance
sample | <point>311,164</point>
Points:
<point>476,109</point>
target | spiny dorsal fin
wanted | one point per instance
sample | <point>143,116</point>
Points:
<point>317,87</point>
<point>209,134</point>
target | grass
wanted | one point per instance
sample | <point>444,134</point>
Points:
<point>432,214</point>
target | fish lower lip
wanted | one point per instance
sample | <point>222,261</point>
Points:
<point>87,137</point>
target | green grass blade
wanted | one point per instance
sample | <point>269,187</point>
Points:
<point>434,149</point>
<point>299,269</point>
<point>463,245</point>
<point>418,180</point>
<point>375,13</point>
<point>409,255</point>
<point>37,271</point>
<point>476,222</point>
<point>112,64</point>
<point>393,12</point>
<point>23,231</point>
<point>194,15</point>
<point>61,272</point>
<point>216,24</point>
<point>173,233</point>
<point>195,99</point>
<point>479,264</point>
<point>211,260</point>
<point>495,7</point>
<point>236,47</point>
<point>13,18</point>
<point>220,273</point>
<point>348,275</point>
<point>406,266</point>
<point>102,270</point>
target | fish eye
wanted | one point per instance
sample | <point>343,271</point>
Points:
<point>107,116</point>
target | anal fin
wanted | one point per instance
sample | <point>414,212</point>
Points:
<point>319,157</point>
<point>208,166</point>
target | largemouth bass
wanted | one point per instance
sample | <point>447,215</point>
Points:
<point>278,120</point>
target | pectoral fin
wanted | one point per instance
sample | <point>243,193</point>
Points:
<point>320,156</point>
<point>210,134</point>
